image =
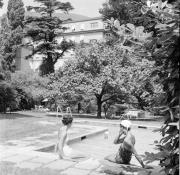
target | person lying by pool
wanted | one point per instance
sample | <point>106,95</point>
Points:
<point>127,142</point>
<point>63,149</point>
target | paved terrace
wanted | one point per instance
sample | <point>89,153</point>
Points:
<point>22,159</point>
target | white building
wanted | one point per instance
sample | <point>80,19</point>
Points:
<point>85,30</point>
<point>79,29</point>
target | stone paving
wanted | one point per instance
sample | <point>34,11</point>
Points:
<point>36,163</point>
<point>33,161</point>
<point>19,158</point>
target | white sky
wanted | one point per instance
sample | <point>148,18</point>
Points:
<point>84,7</point>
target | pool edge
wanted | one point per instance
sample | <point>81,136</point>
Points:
<point>75,139</point>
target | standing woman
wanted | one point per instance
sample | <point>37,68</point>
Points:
<point>64,150</point>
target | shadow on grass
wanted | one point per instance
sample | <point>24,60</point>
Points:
<point>14,116</point>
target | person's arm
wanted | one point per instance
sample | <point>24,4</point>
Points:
<point>118,139</point>
<point>140,160</point>
<point>137,157</point>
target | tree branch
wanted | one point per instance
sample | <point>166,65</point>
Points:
<point>108,98</point>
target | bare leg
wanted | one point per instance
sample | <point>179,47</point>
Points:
<point>111,158</point>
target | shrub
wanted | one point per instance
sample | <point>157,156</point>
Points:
<point>7,97</point>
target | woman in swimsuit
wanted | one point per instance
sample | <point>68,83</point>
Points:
<point>126,148</point>
<point>64,151</point>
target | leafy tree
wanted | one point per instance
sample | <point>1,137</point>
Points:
<point>165,52</point>
<point>141,85</point>
<point>62,89</point>
<point>97,72</point>
<point>15,13</point>
<point>132,39</point>
<point>129,11</point>
<point>44,31</point>
<point>14,94</point>
<point>31,84</point>
<point>4,75</point>
<point>163,49</point>
<point>106,72</point>
<point>7,96</point>
<point>24,99</point>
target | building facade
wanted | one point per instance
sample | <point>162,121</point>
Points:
<point>83,30</point>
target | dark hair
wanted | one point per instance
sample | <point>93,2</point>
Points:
<point>67,120</point>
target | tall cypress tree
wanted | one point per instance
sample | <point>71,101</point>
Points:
<point>5,49</point>
<point>44,29</point>
<point>12,33</point>
<point>1,3</point>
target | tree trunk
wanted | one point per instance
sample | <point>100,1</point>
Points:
<point>4,108</point>
<point>99,109</point>
<point>106,107</point>
<point>47,65</point>
<point>141,103</point>
<point>105,112</point>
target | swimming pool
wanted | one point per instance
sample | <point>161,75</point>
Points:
<point>75,134</point>
<point>99,146</point>
<point>49,137</point>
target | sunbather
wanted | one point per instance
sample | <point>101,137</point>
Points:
<point>127,141</point>
<point>64,150</point>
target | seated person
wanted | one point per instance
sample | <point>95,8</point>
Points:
<point>127,141</point>
<point>64,151</point>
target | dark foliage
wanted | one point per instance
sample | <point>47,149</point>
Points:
<point>1,3</point>
<point>161,18</point>
<point>11,34</point>
<point>7,97</point>
<point>44,30</point>
<point>15,13</point>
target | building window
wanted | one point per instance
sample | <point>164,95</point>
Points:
<point>107,35</point>
<point>106,26</point>
<point>82,27</point>
<point>93,40</point>
<point>94,25</point>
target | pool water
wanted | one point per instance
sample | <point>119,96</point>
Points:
<point>101,145</point>
<point>74,131</point>
<point>42,140</point>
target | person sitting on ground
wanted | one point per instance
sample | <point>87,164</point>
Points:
<point>127,142</point>
<point>64,151</point>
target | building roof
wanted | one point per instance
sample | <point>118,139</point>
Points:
<point>82,20</point>
<point>63,16</point>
